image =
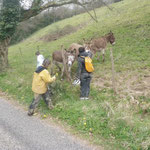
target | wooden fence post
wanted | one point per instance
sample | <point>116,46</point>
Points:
<point>38,48</point>
<point>64,63</point>
<point>113,71</point>
<point>22,57</point>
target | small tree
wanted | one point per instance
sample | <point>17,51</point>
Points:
<point>8,21</point>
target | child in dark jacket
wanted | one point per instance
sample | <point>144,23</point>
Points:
<point>82,74</point>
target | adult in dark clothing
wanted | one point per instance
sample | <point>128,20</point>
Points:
<point>83,74</point>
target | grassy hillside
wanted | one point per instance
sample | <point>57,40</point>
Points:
<point>119,121</point>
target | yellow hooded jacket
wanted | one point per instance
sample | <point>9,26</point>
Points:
<point>40,81</point>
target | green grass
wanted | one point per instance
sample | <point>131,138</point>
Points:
<point>119,121</point>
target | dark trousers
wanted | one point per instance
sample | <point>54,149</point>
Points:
<point>37,97</point>
<point>85,84</point>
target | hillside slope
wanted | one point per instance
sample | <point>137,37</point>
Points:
<point>120,121</point>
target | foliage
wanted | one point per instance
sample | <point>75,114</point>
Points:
<point>113,121</point>
<point>9,18</point>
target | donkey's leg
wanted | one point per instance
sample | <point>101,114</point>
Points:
<point>69,71</point>
<point>58,66</point>
<point>93,53</point>
<point>62,72</point>
<point>103,51</point>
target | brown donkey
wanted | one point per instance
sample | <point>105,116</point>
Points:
<point>100,44</point>
<point>75,47</point>
<point>57,59</point>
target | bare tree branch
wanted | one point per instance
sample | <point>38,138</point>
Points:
<point>37,8</point>
<point>36,3</point>
<point>95,19</point>
<point>111,8</point>
<point>94,10</point>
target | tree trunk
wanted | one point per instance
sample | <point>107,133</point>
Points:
<point>4,54</point>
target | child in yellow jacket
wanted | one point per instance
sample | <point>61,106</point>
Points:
<point>41,78</point>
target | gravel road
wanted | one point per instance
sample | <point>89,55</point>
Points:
<point>21,132</point>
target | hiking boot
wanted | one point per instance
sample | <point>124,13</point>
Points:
<point>30,112</point>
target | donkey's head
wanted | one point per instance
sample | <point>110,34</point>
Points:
<point>70,58</point>
<point>110,38</point>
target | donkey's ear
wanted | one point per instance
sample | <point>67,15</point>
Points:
<point>84,40</point>
<point>91,39</point>
<point>67,50</point>
<point>74,51</point>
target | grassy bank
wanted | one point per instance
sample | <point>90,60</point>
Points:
<point>120,121</point>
